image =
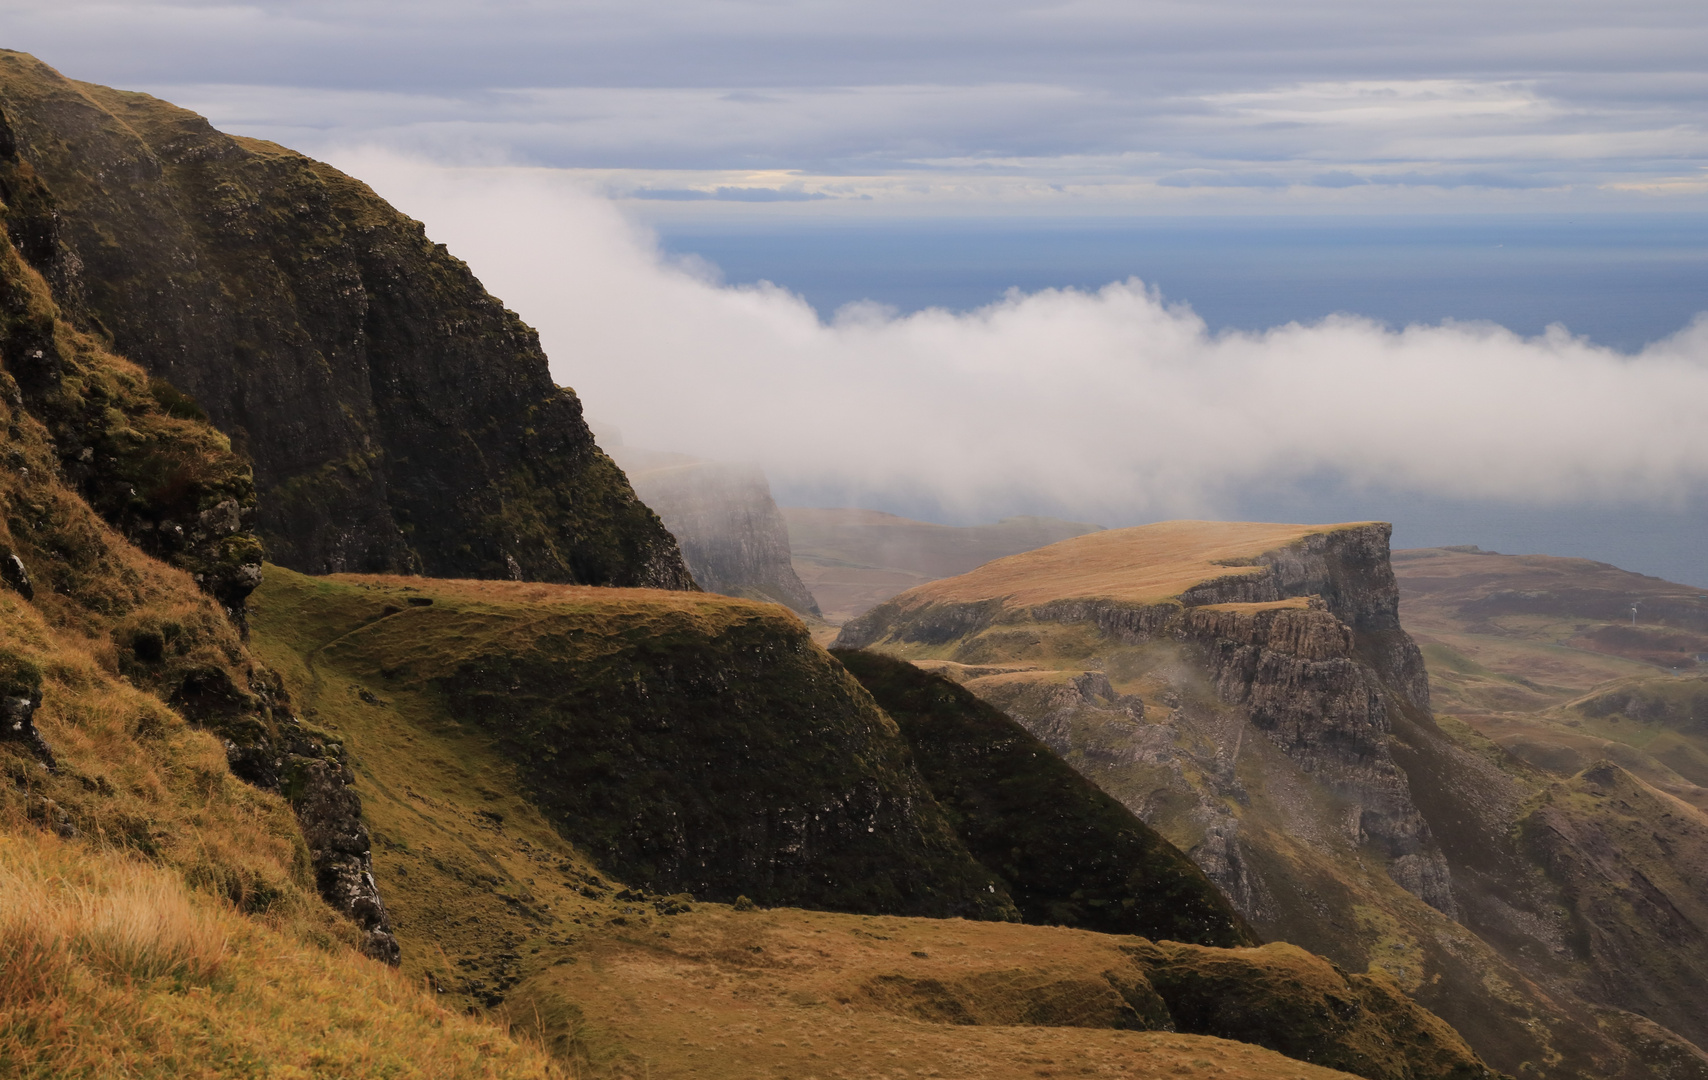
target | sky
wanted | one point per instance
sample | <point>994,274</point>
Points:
<point>956,107</point>
<point>865,170</point>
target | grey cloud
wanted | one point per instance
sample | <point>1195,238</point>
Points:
<point>726,194</point>
<point>1185,96</point>
<point>1208,178</point>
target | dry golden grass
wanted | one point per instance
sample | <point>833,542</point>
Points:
<point>1147,564</point>
<point>140,924</point>
<point>537,595</point>
<point>111,967</point>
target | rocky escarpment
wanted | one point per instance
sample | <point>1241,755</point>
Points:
<point>398,417</point>
<point>1296,671</point>
<point>1247,691</point>
<point>731,533</point>
<point>1319,680</point>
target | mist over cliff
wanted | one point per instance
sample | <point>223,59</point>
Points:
<point>1110,405</point>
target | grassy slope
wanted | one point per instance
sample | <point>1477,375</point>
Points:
<point>721,993</point>
<point>1537,656</point>
<point>108,964</point>
<point>1146,564</point>
<point>110,967</point>
<point>1070,854</point>
<point>1537,653</point>
<point>491,903</point>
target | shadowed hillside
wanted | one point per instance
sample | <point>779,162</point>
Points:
<point>1069,854</point>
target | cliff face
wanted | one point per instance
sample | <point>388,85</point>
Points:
<point>733,537</point>
<point>398,417</point>
<point>1318,679</point>
<point>1248,691</point>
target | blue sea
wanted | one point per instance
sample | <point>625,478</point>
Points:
<point>1620,280</point>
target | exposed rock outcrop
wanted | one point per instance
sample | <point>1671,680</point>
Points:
<point>1296,672</point>
<point>398,417</point>
<point>20,697</point>
<point>1318,678</point>
<point>318,782</point>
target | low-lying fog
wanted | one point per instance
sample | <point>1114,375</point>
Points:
<point>1113,405</point>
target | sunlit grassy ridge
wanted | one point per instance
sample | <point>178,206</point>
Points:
<point>1145,564</point>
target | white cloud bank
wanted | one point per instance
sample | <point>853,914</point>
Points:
<point>1112,404</point>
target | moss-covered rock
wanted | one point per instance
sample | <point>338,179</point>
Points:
<point>1069,854</point>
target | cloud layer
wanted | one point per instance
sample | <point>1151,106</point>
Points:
<point>1112,404</point>
<point>1021,102</point>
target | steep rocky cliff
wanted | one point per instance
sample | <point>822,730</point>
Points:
<point>1248,690</point>
<point>398,417</point>
<point>732,535</point>
<point>1289,661</point>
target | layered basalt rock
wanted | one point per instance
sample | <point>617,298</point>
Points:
<point>398,417</point>
<point>1247,690</point>
<point>1296,672</point>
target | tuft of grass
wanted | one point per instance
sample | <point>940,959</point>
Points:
<point>126,920</point>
